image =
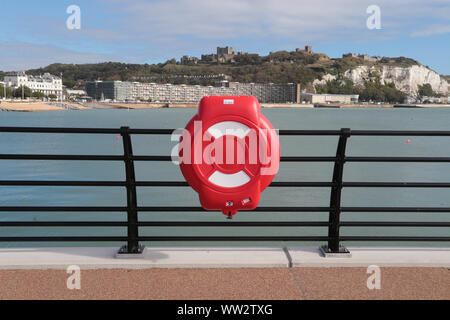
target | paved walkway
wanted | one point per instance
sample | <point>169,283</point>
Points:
<point>228,283</point>
<point>224,273</point>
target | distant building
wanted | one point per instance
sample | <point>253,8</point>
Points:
<point>426,99</point>
<point>209,58</point>
<point>308,49</point>
<point>329,98</point>
<point>366,57</point>
<point>121,91</point>
<point>75,94</point>
<point>188,60</point>
<point>268,92</point>
<point>225,54</point>
<point>109,90</point>
<point>225,51</point>
<point>46,84</point>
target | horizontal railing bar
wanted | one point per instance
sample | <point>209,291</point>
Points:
<point>364,133</point>
<point>141,183</point>
<point>219,238</point>
<point>273,184</point>
<point>162,184</point>
<point>309,132</point>
<point>185,184</point>
<point>395,209</point>
<point>235,238</point>
<point>258,209</point>
<point>307,159</point>
<point>61,209</point>
<point>393,224</point>
<point>135,158</point>
<point>61,239</point>
<point>61,183</point>
<point>152,131</point>
<point>63,223</point>
<point>200,209</point>
<point>233,224</point>
<point>165,224</point>
<point>391,238</point>
<point>61,157</point>
<point>154,208</point>
<point>169,158</point>
<point>398,133</point>
<point>61,130</point>
<point>397,159</point>
<point>398,184</point>
<point>151,158</point>
<point>219,224</point>
<point>281,132</point>
<point>174,238</point>
<point>301,184</point>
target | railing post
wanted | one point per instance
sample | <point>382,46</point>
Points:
<point>334,246</point>
<point>132,246</point>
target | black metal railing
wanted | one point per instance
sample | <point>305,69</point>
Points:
<point>334,223</point>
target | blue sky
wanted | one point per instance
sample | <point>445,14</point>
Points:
<point>34,33</point>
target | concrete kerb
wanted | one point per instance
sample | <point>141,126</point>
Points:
<point>365,256</point>
<point>215,257</point>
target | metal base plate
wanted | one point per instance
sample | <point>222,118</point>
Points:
<point>123,253</point>
<point>343,252</point>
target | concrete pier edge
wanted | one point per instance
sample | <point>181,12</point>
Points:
<point>219,257</point>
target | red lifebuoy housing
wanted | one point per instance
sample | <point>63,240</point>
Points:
<point>229,153</point>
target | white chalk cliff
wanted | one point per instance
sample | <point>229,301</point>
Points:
<point>406,79</point>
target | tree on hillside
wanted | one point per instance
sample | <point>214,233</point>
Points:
<point>26,92</point>
<point>38,95</point>
<point>337,87</point>
<point>372,90</point>
<point>2,92</point>
<point>426,90</point>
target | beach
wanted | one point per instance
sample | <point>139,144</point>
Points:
<point>37,106</point>
<point>30,107</point>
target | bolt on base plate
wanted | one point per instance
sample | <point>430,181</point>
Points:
<point>124,254</point>
<point>343,252</point>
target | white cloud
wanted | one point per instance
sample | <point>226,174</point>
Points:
<point>20,55</point>
<point>263,19</point>
<point>433,30</point>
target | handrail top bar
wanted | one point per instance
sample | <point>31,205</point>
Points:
<point>170,131</point>
<point>60,130</point>
<point>112,157</point>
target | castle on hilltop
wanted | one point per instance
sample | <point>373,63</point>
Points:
<point>225,54</point>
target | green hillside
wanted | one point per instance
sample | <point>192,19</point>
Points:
<point>277,67</point>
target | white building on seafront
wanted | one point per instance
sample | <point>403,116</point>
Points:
<point>46,83</point>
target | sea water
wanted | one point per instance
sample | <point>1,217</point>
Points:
<point>281,118</point>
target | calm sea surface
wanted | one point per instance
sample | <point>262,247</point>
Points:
<point>382,119</point>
